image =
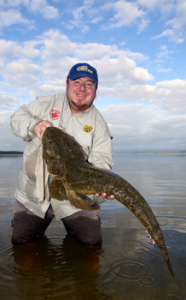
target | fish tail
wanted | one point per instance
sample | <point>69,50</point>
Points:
<point>134,201</point>
<point>166,258</point>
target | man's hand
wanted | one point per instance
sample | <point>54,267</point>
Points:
<point>104,195</point>
<point>41,127</point>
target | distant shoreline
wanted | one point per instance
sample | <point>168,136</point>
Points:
<point>151,152</point>
<point>3,153</point>
<point>11,152</point>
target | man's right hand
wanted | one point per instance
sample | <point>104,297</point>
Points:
<point>41,127</point>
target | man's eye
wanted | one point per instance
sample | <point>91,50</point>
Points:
<point>77,82</point>
<point>88,84</point>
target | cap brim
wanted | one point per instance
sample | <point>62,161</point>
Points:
<point>82,74</point>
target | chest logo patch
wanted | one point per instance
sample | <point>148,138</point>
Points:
<point>87,128</point>
<point>55,114</point>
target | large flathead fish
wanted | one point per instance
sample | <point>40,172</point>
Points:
<point>66,163</point>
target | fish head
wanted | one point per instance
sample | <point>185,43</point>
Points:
<point>54,153</point>
<point>58,143</point>
<point>50,143</point>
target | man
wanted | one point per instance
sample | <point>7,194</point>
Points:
<point>75,113</point>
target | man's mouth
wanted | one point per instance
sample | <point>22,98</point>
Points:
<point>80,95</point>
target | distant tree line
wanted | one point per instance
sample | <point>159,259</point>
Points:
<point>11,152</point>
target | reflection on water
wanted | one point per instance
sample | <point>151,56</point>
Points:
<point>9,167</point>
<point>127,265</point>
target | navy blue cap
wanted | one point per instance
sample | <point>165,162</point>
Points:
<point>83,70</point>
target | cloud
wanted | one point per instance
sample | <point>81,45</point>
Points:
<point>177,24</point>
<point>22,65</point>
<point>96,20</point>
<point>10,13</point>
<point>144,23</point>
<point>173,36</point>
<point>165,6</point>
<point>5,117</point>
<point>44,64</point>
<point>139,128</point>
<point>50,88</point>
<point>10,17</point>
<point>164,52</point>
<point>78,12</point>
<point>114,71</point>
<point>97,50</point>
<point>164,70</point>
<point>55,44</point>
<point>21,80</point>
<point>12,3</point>
<point>147,116</point>
<point>55,54</point>
<point>167,95</point>
<point>7,102</point>
<point>8,141</point>
<point>126,13</point>
<point>162,56</point>
<point>179,20</point>
<point>49,12</point>
<point>41,6</point>
<point>135,128</point>
<point>121,13</point>
<point>79,20</point>
<point>11,50</point>
<point>87,13</point>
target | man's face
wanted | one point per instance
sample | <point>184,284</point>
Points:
<point>80,93</point>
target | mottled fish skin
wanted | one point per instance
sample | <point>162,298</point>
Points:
<point>66,162</point>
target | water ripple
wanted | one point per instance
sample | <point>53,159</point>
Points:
<point>174,297</point>
<point>147,280</point>
<point>132,271</point>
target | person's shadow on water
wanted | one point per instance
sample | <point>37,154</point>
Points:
<point>67,270</point>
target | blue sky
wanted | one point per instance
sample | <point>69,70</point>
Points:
<point>138,48</point>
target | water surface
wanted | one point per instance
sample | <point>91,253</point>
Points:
<point>126,266</point>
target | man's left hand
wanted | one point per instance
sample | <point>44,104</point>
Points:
<point>104,195</point>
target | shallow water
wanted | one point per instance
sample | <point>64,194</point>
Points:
<point>126,266</point>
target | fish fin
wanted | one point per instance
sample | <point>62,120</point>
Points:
<point>77,201</point>
<point>57,190</point>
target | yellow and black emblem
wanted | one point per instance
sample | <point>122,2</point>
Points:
<point>87,128</point>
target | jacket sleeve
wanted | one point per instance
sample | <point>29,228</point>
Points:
<point>25,118</point>
<point>101,154</point>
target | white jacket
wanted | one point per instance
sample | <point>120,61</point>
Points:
<point>55,109</point>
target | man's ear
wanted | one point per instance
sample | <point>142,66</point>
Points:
<point>95,93</point>
<point>67,83</point>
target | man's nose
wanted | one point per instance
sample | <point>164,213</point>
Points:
<point>82,87</point>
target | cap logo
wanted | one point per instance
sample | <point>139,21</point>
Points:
<point>55,114</point>
<point>84,68</point>
<point>87,128</point>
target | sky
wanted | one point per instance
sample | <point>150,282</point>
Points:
<point>138,48</point>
